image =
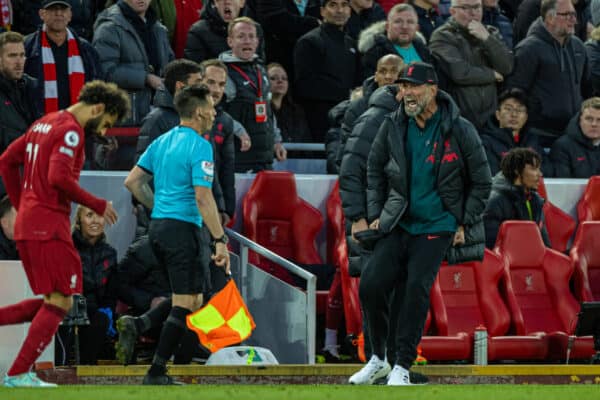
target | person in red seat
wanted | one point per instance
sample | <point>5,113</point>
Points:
<point>514,194</point>
<point>41,173</point>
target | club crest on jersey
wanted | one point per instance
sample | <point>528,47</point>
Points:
<point>71,139</point>
<point>208,167</point>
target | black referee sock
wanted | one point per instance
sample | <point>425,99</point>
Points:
<point>153,317</point>
<point>172,332</point>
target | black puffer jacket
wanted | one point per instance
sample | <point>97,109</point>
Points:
<point>507,202</point>
<point>333,136</point>
<point>463,175</point>
<point>207,38</point>
<point>355,109</point>
<point>99,263</point>
<point>552,75</point>
<point>140,278</point>
<point>498,141</point>
<point>353,172</point>
<point>573,155</point>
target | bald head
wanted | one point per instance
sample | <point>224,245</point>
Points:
<point>388,69</point>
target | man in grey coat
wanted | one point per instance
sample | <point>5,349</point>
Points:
<point>134,49</point>
<point>472,58</point>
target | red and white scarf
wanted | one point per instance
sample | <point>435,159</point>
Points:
<point>5,14</point>
<point>75,68</point>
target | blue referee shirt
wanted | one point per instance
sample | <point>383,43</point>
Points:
<point>179,160</point>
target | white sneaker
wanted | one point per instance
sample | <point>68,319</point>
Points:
<point>373,370</point>
<point>399,377</point>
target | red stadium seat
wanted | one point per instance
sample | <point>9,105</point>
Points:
<point>585,255</point>
<point>338,255</point>
<point>536,289</point>
<point>276,218</point>
<point>588,208</point>
<point>465,296</point>
<point>559,224</point>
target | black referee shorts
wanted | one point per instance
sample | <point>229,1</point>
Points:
<point>183,250</point>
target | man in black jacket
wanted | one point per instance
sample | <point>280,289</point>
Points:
<point>508,129</point>
<point>577,153</point>
<point>398,35</point>
<point>17,106</point>
<point>428,182</point>
<point>16,90</point>
<point>552,67</point>
<point>326,66</point>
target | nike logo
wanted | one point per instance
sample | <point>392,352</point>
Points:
<point>431,237</point>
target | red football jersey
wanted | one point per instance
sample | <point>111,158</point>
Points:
<point>52,155</point>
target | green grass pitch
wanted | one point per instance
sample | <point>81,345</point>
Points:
<point>308,392</point>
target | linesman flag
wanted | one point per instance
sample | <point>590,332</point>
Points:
<point>224,321</point>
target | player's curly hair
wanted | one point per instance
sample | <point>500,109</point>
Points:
<point>115,100</point>
<point>513,163</point>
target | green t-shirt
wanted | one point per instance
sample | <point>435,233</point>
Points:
<point>425,213</point>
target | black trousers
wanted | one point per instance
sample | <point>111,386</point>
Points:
<point>394,290</point>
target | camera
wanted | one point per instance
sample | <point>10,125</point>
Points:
<point>77,315</point>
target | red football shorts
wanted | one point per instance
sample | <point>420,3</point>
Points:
<point>51,266</point>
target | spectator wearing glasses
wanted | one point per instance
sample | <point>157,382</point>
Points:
<point>577,153</point>
<point>530,10</point>
<point>473,59</point>
<point>508,129</point>
<point>551,65</point>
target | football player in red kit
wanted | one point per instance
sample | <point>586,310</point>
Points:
<point>41,174</point>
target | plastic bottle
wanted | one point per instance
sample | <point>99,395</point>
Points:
<point>480,346</point>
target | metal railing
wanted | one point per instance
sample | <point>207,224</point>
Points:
<point>311,283</point>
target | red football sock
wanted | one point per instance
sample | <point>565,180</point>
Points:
<point>20,312</point>
<point>42,329</point>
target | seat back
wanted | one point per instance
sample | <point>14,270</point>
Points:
<point>560,226</point>
<point>588,208</point>
<point>541,189</point>
<point>585,255</point>
<point>467,295</point>
<point>335,223</point>
<point>276,218</point>
<point>536,280</point>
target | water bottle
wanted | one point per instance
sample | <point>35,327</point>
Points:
<point>480,346</point>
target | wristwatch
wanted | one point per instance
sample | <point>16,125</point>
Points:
<point>223,239</point>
